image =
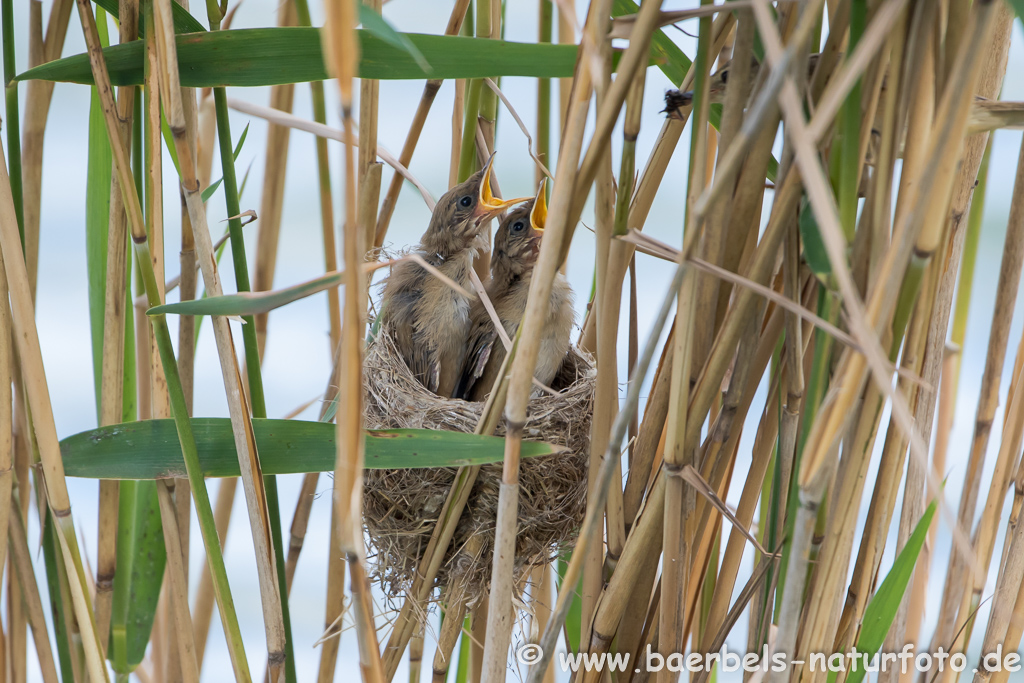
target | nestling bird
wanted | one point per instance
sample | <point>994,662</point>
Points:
<point>516,246</point>
<point>427,319</point>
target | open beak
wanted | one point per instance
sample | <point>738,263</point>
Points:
<point>539,212</point>
<point>488,205</point>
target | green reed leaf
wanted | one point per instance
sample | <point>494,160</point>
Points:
<point>272,56</point>
<point>150,450</point>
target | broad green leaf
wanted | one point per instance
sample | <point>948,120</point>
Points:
<point>271,56</point>
<point>141,558</point>
<point>97,210</point>
<point>814,246</point>
<point>462,672</point>
<point>57,587</point>
<point>881,610</point>
<point>379,26</point>
<point>183,21</point>
<point>150,449</point>
<point>574,619</point>
<point>251,303</point>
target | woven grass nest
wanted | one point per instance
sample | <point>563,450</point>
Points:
<point>401,507</point>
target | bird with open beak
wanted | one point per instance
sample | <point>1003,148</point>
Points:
<point>428,319</point>
<point>516,246</point>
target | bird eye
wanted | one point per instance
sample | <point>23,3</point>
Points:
<point>518,226</point>
<point>725,76</point>
<point>466,201</point>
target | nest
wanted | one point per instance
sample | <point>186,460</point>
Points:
<point>401,507</point>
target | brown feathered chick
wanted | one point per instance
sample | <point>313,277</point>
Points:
<point>516,246</point>
<point>427,319</point>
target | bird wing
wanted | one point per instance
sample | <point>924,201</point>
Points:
<point>480,343</point>
<point>400,297</point>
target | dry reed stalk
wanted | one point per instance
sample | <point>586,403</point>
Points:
<point>416,654</point>
<point>206,138</point>
<point>788,623</point>
<point>566,36</point>
<point>187,291</point>
<point>649,636</point>
<point>993,71</point>
<point>988,525</point>
<point>499,622</point>
<point>272,196</point>
<point>387,208</point>
<point>6,437</point>
<point>639,560</point>
<point>1008,586</point>
<point>245,443</point>
<point>304,505</point>
<point>143,370</point>
<point>477,635</point>
<point>458,113</point>
<point>342,58</point>
<point>1015,627</point>
<point>488,24</point>
<point>916,361</point>
<point>366,216</point>
<point>188,668</point>
<point>112,378</point>
<point>21,562</point>
<point>451,627</point>
<point>38,95</point>
<point>880,509</point>
<point>595,512</point>
<point>794,384</point>
<point>719,449</point>
<point>915,355</point>
<point>1009,273</point>
<point>648,436</point>
<point>369,196</point>
<point>300,522</point>
<point>606,303</point>
<point>203,609</point>
<point>759,270</point>
<point>640,205</point>
<point>37,391</point>
<point>729,567</point>
<point>369,95</point>
<point>944,419</point>
<point>607,300</point>
<point>334,606</point>
<point>540,601</point>
<point>17,624</point>
<point>681,445</point>
<point>158,390</point>
<point>186,324</point>
<point>715,244</point>
<point>634,574</point>
<point>952,118</point>
<point>621,260</point>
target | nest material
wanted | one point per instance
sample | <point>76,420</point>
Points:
<point>401,506</point>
